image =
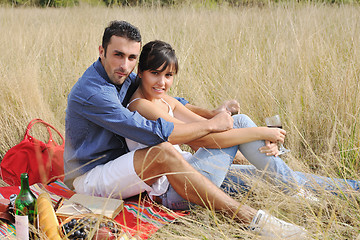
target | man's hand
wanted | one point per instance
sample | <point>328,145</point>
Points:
<point>270,149</point>
<point>231,106</point>
<point>221,122</point>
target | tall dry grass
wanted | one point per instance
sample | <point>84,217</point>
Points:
<point>297,60</point>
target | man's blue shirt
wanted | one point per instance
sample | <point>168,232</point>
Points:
<point>97,121</point>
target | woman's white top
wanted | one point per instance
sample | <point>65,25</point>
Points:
<point>162,184</point>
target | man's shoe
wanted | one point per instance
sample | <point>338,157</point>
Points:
<point>271,227</point>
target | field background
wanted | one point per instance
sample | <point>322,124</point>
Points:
<point>301,61</point>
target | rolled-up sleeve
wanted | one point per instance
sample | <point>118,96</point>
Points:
<point>119,120</point>
<point>183,101</point>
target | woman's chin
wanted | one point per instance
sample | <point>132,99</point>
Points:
<point>158,94</point>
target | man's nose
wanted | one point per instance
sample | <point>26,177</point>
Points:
<point>124,64</point>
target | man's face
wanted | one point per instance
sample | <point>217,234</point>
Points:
<point>121,58</point>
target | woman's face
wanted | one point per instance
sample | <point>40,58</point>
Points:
<point>155,84</point>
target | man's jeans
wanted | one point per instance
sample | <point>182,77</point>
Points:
<point>216,165</point>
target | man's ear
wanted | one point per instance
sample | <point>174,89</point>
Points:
<point>101,52</point>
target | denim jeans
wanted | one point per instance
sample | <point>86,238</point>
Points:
<point>216,165</point>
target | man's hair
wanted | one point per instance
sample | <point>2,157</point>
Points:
<point>156,54</point>
<point>120,29</point>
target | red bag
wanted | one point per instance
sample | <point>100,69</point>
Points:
<point>44,162</point>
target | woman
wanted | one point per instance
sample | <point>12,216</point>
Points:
<point>157,67</point>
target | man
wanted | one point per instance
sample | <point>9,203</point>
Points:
<point>96,157</point>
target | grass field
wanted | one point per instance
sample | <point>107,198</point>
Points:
<point>301,61</point>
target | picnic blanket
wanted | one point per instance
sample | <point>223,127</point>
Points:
<point>139,217</point>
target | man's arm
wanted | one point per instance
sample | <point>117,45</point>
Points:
<point>107,112</point>
<point>187,132</point>
<point>184,131</point>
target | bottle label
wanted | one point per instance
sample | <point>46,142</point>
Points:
<point>22,227</point>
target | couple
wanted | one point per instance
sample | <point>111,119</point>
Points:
<point>122,132</point>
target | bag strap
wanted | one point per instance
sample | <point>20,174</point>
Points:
<point>48,126</point>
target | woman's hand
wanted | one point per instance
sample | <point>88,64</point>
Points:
<point>231,106</point>
<point>270,149</point>
<point>274,135</point>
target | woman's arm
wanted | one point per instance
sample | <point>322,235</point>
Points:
<point>194,130</point>
<point>206,113</point>
<point>239,136</point>
<point>227,138</point>
<point>232,106</point>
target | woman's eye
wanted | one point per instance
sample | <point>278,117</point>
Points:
<point>154,73</point>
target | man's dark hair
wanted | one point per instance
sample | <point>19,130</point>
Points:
<point>120,29</point>
<point>156,54</point>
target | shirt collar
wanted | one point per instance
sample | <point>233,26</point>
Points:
<point>101,70</point>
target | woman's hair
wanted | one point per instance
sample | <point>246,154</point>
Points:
<point>156,54</point>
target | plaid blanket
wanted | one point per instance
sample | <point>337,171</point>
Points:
<point>139,217</point>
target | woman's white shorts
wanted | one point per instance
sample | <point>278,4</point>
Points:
<point>116,179</point>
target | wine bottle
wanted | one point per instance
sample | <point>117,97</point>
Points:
<point>25,209</point>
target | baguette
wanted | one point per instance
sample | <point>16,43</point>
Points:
<point>47,218</point>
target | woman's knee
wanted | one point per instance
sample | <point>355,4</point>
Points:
<point>243,121</point>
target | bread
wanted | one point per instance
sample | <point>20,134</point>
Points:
<point>47,218</point>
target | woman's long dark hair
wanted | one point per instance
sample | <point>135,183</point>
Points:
<point>156,54</point>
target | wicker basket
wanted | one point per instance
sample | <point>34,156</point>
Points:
<point>92,225</point>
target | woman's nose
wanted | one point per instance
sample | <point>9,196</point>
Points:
<point>161,80</point>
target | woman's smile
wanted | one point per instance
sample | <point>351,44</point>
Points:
<point>157,89</point>
<point>155,83</point>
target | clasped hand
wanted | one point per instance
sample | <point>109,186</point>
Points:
<point>273,136</point>
<point>270,149</point>
<point>230,106</point>
<point>222,122</point>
